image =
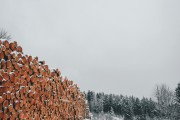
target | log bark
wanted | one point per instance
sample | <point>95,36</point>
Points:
<point>30,90</point>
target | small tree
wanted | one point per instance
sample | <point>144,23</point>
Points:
<point>166,100</point>
<point>137,108</point>
<point>177,92</point>
<point>112,112</point>
<point>127,111</point>
<point>4,35</point>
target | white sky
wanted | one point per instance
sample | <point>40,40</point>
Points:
<point>116,46</point>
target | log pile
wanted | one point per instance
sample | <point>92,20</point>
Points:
<point>30,90</point>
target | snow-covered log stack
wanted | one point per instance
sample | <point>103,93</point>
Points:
<point>29,90</point>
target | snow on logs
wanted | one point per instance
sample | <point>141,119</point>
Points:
<point>30,90</point>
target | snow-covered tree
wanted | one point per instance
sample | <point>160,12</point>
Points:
<point>91,100</point>
<point>137,108</point>
<point>127,111</point>
<point>111,112</point>
<point>99,101</point>
<point>177,93</point>
<point>166,100</point>
<point>106,104</point>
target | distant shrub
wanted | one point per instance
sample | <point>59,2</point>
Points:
<point>4,35</point>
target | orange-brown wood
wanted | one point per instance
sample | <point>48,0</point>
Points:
<point>12,46</point>
<point>29,89</point>
<point>6,44</point>
<point>1,55</point>
<point>9,64</point>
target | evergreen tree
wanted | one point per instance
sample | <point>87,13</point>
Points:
<point>117,105</point>
<point>98,108</point>
<point>100,98</point>
<point>137,108</point>
<point>111,112</point>
<point>177,93</point>
<point>152,109</point>
<point>91,100</point>
<point>144,106</point>
<point>127,111</point>
<point>106,104</point>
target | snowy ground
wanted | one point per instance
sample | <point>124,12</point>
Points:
<point>116,118</point>
<point>105,117</point>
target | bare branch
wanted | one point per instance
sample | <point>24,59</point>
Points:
<point>4,35</point>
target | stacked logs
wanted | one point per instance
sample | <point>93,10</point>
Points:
<point>30,90</point>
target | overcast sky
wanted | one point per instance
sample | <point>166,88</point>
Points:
<point>116,46</point>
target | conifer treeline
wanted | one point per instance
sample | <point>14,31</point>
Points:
<point>132,107</point>
<point>122,105</point>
